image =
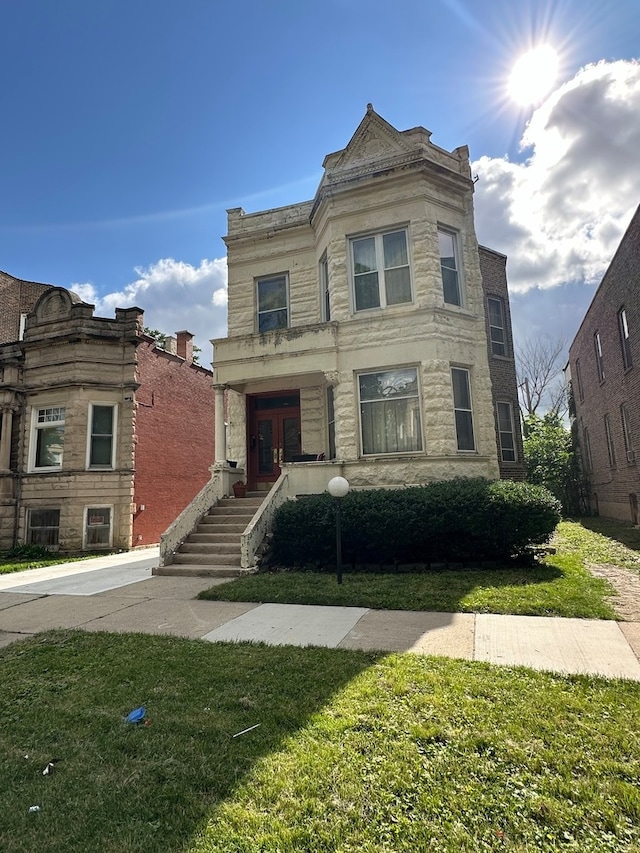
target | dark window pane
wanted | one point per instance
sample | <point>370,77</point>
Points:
<point>398,286</point>
<point>367,295</point>
<point>450,286</point>
<point>395,249</point>
<point>461,395</point>
<point>464,430</point>
<point>271,320</point>
<point>272,294</point>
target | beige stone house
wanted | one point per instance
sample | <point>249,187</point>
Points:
<point>369,334</point>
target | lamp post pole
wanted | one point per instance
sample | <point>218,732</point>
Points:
<point>338,488</point>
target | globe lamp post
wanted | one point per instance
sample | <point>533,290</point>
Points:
<point>338,488</point>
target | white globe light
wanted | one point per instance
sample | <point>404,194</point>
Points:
<point>338,487</point>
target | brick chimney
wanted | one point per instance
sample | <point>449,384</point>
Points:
<point>184,346</point>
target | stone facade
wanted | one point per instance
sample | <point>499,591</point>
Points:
<point>306,332</point>
<point>604,368</point>
<point>105,437</point>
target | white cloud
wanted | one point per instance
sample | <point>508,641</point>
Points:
<point>174,295</point>
<point>559,215</point>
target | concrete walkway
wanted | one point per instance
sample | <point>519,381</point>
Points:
<point>118,593</point>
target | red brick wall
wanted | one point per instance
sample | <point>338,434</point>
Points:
<point>174,439</point>
<point>611,486</point>
<point>16,297</point>
<point>502,369</point>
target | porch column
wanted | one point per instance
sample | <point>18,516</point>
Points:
<point>220,430</point>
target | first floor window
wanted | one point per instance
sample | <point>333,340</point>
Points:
<point>380,270</point>
<point>626,432</point>
<point>610,447</point>
<point>587,449</point>
<point>331,421</point>
<point>497,326</point>
<point>506,432</point>
<point>450,267</point>
<point>101,443</point>
<point>273,311</point>
<point>43,527</point>
<point>390,411</point>
<point>98,527</point>
<point>49,437</point>
<point>462,408</point>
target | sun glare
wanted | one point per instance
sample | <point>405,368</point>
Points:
<point>533,75</point>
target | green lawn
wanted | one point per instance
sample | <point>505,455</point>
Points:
<point>560,585</point>
<point>354,751</point>
<point>11,564</point>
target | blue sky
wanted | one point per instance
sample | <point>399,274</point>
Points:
<point>129,127</point>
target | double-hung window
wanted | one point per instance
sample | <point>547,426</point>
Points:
<point>597,345</point>
<point>390,411</point>
<point>380,269</point>
<point>610,446</point>
<point>587,449</point>
<point>506,432</point>
<point>101,444</point>
<point>273,303</point>
<point>97,528</point>
<point>625,342</point>
<point>331,423</point>
<point>48,438</point>
<point>626,432</point>
<point>43,527</point>
<point>450,267</point>
<point>497,326</point>
<point>462,408</point>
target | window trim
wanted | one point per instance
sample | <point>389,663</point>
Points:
<point>381,270</point>
<point>114,432</point>
<point>509,406</point>
<point>28,528</point>
<point>418,397</point>
<point>502,328</point>
<point>287,306</point>
<point>625,340</point>
<point>457,409</point>
<point>597,343</point>
<point>86,546</point>
<point>455,235</point>
<point>36,428</point>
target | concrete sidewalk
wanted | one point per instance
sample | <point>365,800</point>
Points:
<point>123,596</point>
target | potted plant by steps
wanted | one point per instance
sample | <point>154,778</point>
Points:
<point>239,489</point>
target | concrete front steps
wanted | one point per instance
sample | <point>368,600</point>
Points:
<point>213,548</point>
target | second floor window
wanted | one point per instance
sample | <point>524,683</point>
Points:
<point>450,267</point>
<point>380,269</point>
<point>496,326</point>
<point>324,288</point>
<point>48,438</point>
<point>273,306</point>
<point>599,360</point>
<point>625,342</point>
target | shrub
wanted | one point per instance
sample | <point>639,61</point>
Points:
<point>29,552</point>
<point>460,520</point>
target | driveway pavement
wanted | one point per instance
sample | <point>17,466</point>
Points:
<point>118,593</point>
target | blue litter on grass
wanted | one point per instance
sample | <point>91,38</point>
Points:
<point>136,716</point>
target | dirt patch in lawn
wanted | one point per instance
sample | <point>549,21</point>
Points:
<point>626,601</point>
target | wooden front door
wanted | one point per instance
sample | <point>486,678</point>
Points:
<point>274,436</point>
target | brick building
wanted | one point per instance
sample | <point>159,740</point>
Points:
<point>105,437</point>
<point>604,368</point>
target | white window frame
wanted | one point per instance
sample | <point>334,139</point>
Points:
<point>510,432</point>
<point>381,270</point>
<point>90,434</point>
<point>38,426</point>
<point>86,545</point>
<point>286,307</point>
<point>625,341</point>
<point>23,325</point>
<point>390,371</point>
<point>29,527</point>
<point>502,328</point>
<point>597,345</point>
<point>455,236</point>
<point>463,409</point>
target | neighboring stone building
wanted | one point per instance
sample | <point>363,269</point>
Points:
<point>105,437</point>
<point>604,367</point>
<point>366,327</point>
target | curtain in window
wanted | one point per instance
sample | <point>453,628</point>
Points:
<point>390,412</point>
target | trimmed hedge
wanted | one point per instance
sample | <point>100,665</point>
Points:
<point>461,520</point>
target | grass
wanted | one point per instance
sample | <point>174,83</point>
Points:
<point>11,564</point>
<point>560,585</point>
<point>354,752</point>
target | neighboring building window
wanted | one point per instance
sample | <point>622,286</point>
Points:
<point>43,527</point>
<point>626,432</point>
<point>587,449</point>
<point>625,342</point>
<point>23,324</point>
<point>97,529</point>
<point>450,267</point>
<point>610,447</point>
<point>579,379</point>
<point>390,411</point>
<point>506,432</point>
<point>48,437</point>
<point>497,326</point>
<point>273,310</point>
<point>102,436</point>
<point>599,360</point>
<point>381,275</point>
<point>324,288</point>
<point>462,408</point>
<point>331,421</point>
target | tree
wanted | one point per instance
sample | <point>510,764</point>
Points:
<point>552,461</point>
<point>539,370</point>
